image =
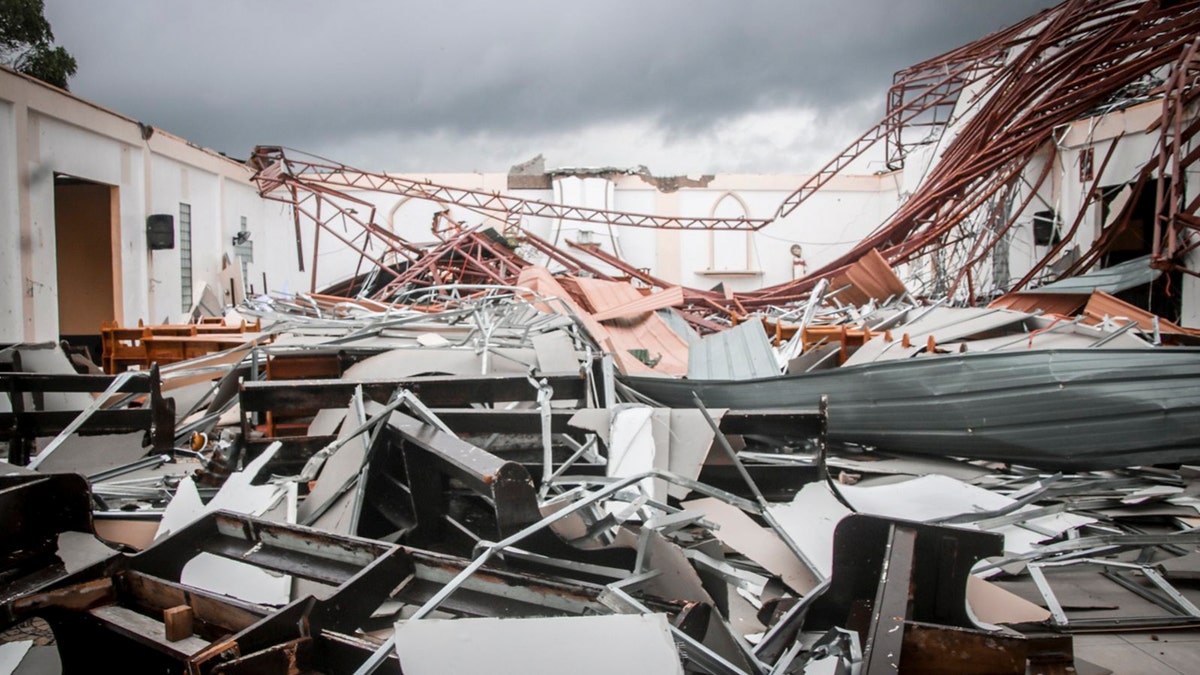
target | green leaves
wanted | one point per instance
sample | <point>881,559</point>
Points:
<point>27,43</point>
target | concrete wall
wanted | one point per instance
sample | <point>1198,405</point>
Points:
<point>825,226</point>
<point>46,132</point>
<point>1066,191</point>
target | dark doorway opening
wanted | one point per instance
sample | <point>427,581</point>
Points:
<point>87,239</point>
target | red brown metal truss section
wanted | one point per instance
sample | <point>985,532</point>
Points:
<point>1084,56</point>
<point>921,97</point>
<point>279,170</point>
<point>320,193</point>
<point>1175,219</point>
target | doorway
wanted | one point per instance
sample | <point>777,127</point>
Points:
<point>86,236</point>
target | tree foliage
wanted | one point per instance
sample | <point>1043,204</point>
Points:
<point>27,43</point>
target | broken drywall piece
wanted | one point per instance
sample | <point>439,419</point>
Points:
<point>402,363</point>
<point>1184,567</point>
<point>924,498</point>
<point>387,608</point>
<point>189,396</point>
<point>555,352</point>
<point>326,422</point>
<point>691,439</point>
<point>11,655</point>
<point>743,615</point>
<point>595,420</point>
<point>237,579</point>
<point>237,495</point>
<point>185,506</point>
<point>660,434</point>
<point>303,588</point>
<point>337,516</point>
<point>432,340</point>
<point>935,497</point>
<point>80,550</point>
<point>994,605</point>
<point>574,527</point>
<point>1154,492</point>
<point>740,533</point>
<point>338,471</point>
<point>909,466</point>
<point>813,514</point>
<point>40,660</point>
<point>50,360</point>
<point>810,520</point>
<point>88,455</point>
<point>137,534</point>
<point>205,302</point>
<point>7,469</point>
<point>632,449</point>
<point>284,510</point>
<point>639,643</point>
<point>677,578</point>
<point>641,438</point>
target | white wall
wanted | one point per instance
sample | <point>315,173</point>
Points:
<point>826,226</point>
<point>45,131</point>
<point>11,291</point>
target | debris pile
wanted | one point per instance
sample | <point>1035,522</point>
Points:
<point>549,456</point>
<point>567,459</point>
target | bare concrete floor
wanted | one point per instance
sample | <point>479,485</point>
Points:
<point>1149,653</point>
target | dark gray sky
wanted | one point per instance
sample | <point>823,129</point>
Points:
<point>683,86</point>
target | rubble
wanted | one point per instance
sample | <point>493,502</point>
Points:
<point>542,453</point>
<point>480,457</point>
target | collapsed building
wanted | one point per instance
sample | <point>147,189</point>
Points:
<point>957,445</point>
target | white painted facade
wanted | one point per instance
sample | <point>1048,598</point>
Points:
<point>825,226</point>
<point>47,133</point>
<point>1128,128</point>
<point>1077,156</point>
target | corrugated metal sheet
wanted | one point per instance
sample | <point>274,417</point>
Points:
<point>642,304</point>
<point>1062,409</point>
<point>680,325</point>
<point>943,324</point>
<point>1113,279</point>
<point>619,336</point>
<point>1050,303</point>
<point>1065,337</point>
<point>740,353</point>
<point>1101,305</point>
<point>649,332</point>
<point>869,278</point>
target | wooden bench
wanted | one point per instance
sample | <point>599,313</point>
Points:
<point>126,347</point>
<point>21,427</point>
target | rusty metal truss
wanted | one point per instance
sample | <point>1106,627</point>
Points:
<point>997,149</point>
<point>280,171</point>
<point>1077,60</point>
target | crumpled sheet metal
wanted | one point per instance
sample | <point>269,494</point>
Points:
<point>1066,409</point>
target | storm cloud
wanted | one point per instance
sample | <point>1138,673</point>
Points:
<point>693,87</point>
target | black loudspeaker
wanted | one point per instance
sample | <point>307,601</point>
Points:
<point>160,231</point>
